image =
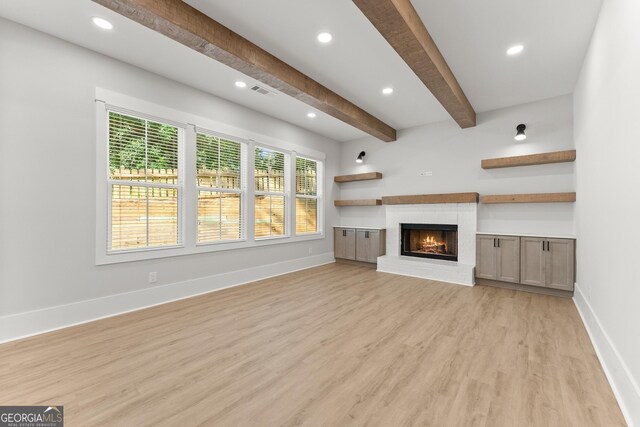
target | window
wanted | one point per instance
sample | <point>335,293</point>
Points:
<point>270,193</point>
<point>169,183</point>
<point>145,187</point>
<point>220,194</point>
<point>306,196</point>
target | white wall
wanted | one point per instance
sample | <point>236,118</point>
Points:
<point>606,105</point>
<point>454,155</point>
<point>47,175</point>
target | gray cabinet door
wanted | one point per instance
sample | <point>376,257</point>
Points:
<point>367,245</point>
<point>486,257</point>
<point>532,261</point>
<point>508,259</point>
<point>344,243</point>
<point>559,256</point>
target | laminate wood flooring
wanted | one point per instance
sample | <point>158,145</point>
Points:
<point>336,345</point>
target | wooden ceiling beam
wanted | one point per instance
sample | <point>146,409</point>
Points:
<point>192,28</point>
<point>401,26</point>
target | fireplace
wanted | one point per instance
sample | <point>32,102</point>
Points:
<point>438,241</point>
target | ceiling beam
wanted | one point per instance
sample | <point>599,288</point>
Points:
<point>400,24</point>
<point>192,28</point>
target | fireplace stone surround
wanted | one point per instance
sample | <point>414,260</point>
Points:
<point>464,215</point>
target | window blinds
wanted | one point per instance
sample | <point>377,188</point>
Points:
<point>220,195</point>
<point>306,196</point>
<point>270,193</point>
<point>144,184</point>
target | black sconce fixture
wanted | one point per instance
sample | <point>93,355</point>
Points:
<point>360,157</point>
<point>520,135</point>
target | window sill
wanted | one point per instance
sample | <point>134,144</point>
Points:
<point>166,252</point>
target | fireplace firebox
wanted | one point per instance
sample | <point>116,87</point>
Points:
<point>438,241</point>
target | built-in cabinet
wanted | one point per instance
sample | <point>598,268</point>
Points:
<point>548,262</point>
<point>358,244</point>
<point>498,258</point>
<point>532,261</point>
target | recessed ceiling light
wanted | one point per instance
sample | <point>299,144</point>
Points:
<point>387,90</point>
<point>311,115</point>
<point>514,50</point>
<point>102,23</point>
<point>241,84</point>
<point>325,37</point>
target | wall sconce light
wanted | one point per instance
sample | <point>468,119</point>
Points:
<point>360,157</point>
<point>520,135</point>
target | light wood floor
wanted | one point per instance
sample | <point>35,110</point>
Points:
<point>335,345</point>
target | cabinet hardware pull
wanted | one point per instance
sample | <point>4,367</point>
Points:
<point>548,249</point>
<point>494,242</point>
<point>344,233</point>
<point>366,234</point>
<point>498,242</point>
<point>543,246</point>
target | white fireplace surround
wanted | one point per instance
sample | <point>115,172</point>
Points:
<point>464,215</point>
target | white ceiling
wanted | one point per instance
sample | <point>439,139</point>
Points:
<point>472,35</point>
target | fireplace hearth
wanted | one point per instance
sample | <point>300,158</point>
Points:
<point>437,241</point>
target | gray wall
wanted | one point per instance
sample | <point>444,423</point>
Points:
<point>607,103</point>
<point>454,155</point>
<point>47,167</point>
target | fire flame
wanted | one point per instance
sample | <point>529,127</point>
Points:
<point>431,244</point>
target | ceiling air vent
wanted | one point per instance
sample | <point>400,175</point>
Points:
<point>262,90</point>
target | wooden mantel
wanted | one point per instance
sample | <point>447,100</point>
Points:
<point>426,199</point>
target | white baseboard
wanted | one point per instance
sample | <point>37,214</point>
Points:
<point>622,382</point>
<point>22,325</point>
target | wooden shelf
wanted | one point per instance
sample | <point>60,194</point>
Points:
<point>423,199</point>
<point>530,198</point>
<point>358,177</point>
<point>362,202</point>
<point>529,160</point>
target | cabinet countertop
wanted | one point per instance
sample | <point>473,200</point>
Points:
<point>543,236</point>
<point>359,228</point>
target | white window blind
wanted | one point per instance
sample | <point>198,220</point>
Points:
<point>306,196</point>
<point>270,193</point>
<point>220,189</point>
<point>145,188</point>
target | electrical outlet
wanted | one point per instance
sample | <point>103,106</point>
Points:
<point>426,173</point>
<point>153,277</point>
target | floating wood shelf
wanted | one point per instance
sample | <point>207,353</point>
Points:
<point>531,159</point>
<point>530,198</point>
<point>362,202</point>
<point>358,177</point>
<point>420,199</point>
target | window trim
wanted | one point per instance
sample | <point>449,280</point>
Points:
<point>285,193</point>
<point>190,123</point>
<point>244,147</point>
<point>318,197</point>
<point>179,187</point>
